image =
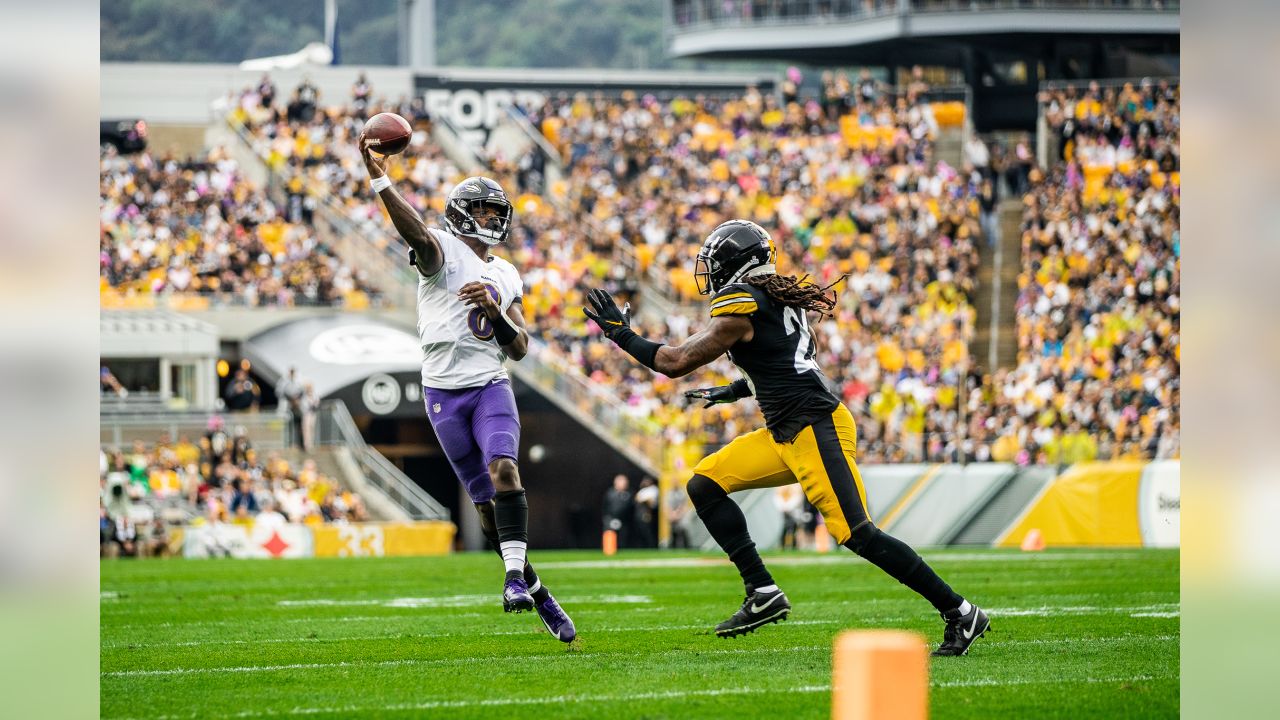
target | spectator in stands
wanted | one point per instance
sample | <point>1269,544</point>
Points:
<point>678,512</point>
<point>310,413</point>
<point>242,393</point>
<point>361,96</point>
<point>109,382</point>
<point>266,91</point>
<point>290,392</point>
<point>646,518</point>
<point>619,510</point>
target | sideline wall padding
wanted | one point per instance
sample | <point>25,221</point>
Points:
<point>1092,504</point>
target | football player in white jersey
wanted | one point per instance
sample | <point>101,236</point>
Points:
<point>470,321</point>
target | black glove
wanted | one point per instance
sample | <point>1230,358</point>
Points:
<point>616,325</point>
<point>614,322</point>
<point>723,394</point>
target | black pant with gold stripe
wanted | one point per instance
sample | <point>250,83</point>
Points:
<point>821,459</point>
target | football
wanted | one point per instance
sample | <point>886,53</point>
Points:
<point>391,131</point>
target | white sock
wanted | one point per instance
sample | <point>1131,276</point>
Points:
<point>965,607</point>
<point>767,589</point>
<point>513,554</point>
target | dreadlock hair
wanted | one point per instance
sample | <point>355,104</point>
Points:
<point>798,292</point>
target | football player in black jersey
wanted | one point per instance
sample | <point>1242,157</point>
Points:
<point>759,318</point>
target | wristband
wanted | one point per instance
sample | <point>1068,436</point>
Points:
<point>741,388</point>
<point>503,331</point>
<point>645,351</point>
<point>380,183</point>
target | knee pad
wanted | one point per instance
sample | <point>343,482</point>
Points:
<point>500,444</point>
<point>703,491</point>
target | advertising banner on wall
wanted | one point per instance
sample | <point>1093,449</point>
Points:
<point>384,539</point>
<point>1160,504</point>
<point>247,541</point>
<point>373,539</point>
<point>475,102</point>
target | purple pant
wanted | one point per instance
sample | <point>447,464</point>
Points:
<point>475,426</point>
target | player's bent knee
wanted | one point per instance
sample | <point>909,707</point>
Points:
<point>505,475</point>
<point>703,490</point>
<point>861,537</point>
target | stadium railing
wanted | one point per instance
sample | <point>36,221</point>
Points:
<point>636,437</point>
<point>336,428</point>
<point>267,431</point>
<point>699,14</point>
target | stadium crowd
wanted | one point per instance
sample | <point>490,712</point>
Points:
<point>198,227</point>
<point>219,478</point>
<point>847,188</point>
<point>848,185</point>
<point>1098,373</point>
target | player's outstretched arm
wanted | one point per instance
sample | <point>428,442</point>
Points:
<point>672,361</point>
<point>705,346</point>
<point>508,329</point>
<point>428,255</point>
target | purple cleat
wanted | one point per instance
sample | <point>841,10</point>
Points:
<point>515,593</point>
<point>556,620</point>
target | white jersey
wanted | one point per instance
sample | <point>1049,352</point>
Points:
<point>458,349</point>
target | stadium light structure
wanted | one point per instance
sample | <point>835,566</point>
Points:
<point>417,33</point>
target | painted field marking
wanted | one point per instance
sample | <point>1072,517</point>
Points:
<point>660,695</point>
<point>1102,641</point>
<point>532,630</point>
<point>1162,610</point>
<point>454,601</point>
<point>803,560</point>
<point>483,660</point>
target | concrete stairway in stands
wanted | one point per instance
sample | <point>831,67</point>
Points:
<point>995,342</point>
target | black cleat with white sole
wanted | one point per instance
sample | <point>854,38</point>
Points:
<point>757,610</point>
<point>961,631</point>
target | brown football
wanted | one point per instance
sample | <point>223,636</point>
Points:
<point>391,131</point>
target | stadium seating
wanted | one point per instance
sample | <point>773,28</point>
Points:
<point>217,477</point>
<point>858,195</point>
<point>1098,309</point>
<point>195,232</point>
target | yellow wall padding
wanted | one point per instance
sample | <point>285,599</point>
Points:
<point>1091,504</point>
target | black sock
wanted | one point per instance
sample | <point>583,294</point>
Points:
<point>905,565</point>
<point>511,516</point>
<point>727,524</point>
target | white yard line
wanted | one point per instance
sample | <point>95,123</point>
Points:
<point>1160,610</point>
<point>652,695</point>
<point>1073,642</point>
<point>834,558</point>
<point>532,630</point>
<point>454,601</point>
<point>483,660</point>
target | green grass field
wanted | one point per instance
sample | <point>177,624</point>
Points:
<point>1075,634</point>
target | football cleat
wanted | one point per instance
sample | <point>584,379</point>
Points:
<point>961,631</point>
<point>515,593</point>
<point>758,609</point>
<point>556,620</point>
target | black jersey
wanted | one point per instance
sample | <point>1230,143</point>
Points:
<point>778,360</point>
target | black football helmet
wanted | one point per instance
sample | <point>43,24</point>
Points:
<point>471,195</point>
<point>733,251</point>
